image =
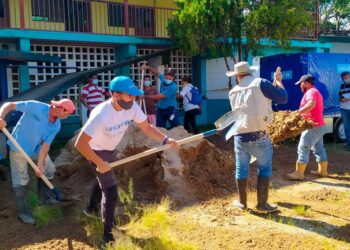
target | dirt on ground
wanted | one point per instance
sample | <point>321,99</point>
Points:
<point>313,214</point>
<point>287,125</point>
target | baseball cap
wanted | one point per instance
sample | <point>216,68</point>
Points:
<point>124,84</point>
<point>67,104</point>
<point>306,78</point>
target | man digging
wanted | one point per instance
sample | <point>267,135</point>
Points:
<point>99,138</point>
<point>251,98</point>
<point>34,132</point>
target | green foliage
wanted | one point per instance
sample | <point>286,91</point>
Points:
<point>149,230</point>
<point>47,214</point>
<point>223,27</point>
<point>127,199</point>
<point>300,209</point>
<point>334,15</point>
<point>94,229</point>
<point>33,200</point>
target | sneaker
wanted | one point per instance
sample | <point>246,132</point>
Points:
<point>90,213</point>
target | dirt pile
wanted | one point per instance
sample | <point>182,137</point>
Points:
<point>197,171</point>
<point>287,125</point>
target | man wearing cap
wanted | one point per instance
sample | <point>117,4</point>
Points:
<point>34,132</point>
<point>344,98</point>
<point>166,98</point>
<point>311,107</point>
<point>251,98</point>
<point>99,138</point>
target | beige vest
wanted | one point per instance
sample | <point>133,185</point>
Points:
<point>254,108</point>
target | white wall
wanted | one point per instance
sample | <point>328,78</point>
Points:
<point>340,48</point>
<point>217,81</point>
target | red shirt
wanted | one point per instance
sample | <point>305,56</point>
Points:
<point>316,114</point>
<point>94,94</point>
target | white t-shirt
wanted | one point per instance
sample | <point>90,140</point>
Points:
<point>107,126</point>
<point>186,96</point>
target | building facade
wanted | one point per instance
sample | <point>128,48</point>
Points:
<point>89,34</point>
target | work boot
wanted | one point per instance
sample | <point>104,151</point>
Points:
<point>242,194</point>
<point>46,196</point>
<point>299,172</point>
<point>24,214</point>
<point>322,169</point>
<point>263,195</point>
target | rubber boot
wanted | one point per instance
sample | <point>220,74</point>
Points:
<point>242,194</point>
<point>46,196</point>
<point>322,169</point>
<point>263,195</point>
<point>299,172</point>
<point>24,213</point>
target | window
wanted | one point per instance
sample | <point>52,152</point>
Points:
<point>116,15</point>
<point>48,10</point>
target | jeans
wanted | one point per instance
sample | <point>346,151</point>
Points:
<point>190,120</point>
<point>345,115</point>
<point>168,114</point>
<point>261,149</point>
<point>19,168</point>
<point>106,192</point>
<point>312,139</point>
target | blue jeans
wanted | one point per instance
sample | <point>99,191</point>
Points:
<point>312,139</point>
<point>168,114</point>
<point>345,115</point>
<point>261,149</point>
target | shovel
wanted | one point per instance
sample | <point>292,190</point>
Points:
<point>222,124</point>
<point>55,191</point>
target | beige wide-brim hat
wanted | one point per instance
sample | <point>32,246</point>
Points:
<point>242,68</point>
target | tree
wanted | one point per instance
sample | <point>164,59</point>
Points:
<point>236,28</point>
<point>334,15</point>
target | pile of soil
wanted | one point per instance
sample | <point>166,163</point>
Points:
<point>287,125</point>
<point>197,171</point>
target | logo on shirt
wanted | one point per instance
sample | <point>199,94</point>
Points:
<point>118,126</point>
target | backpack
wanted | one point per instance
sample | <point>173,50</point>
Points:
<point>196,96</point>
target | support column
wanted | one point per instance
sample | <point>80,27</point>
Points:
<point>122,53</point>
<point>199,77</point>
<point>23,45</point>
<point>3,81</point>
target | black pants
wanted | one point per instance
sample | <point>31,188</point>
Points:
<point>190,120</point>
<point>104,190</point>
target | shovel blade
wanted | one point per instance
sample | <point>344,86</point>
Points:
<point>226,120</point>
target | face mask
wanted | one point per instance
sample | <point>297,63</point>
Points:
<point>95,81</point>
<point>147,83</point>
<point>347,81</point>
<point>125,105</point>
<point>168,82</point>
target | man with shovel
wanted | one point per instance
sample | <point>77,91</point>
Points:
<point>34,132</point>
<point>251,98</point>
<point>99,138</point>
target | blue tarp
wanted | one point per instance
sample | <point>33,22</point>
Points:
<point>325,67</point>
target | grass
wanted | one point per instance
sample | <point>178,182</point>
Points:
<point>47,214</point>
<point>300,209</point>
<point>43,214</point>
<point>147,228</point>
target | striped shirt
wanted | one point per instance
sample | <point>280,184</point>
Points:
<point>94,94</point>
<point>344,92</point>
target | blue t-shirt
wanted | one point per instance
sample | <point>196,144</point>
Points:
<point>169,91</point>
<point>34,127</point>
